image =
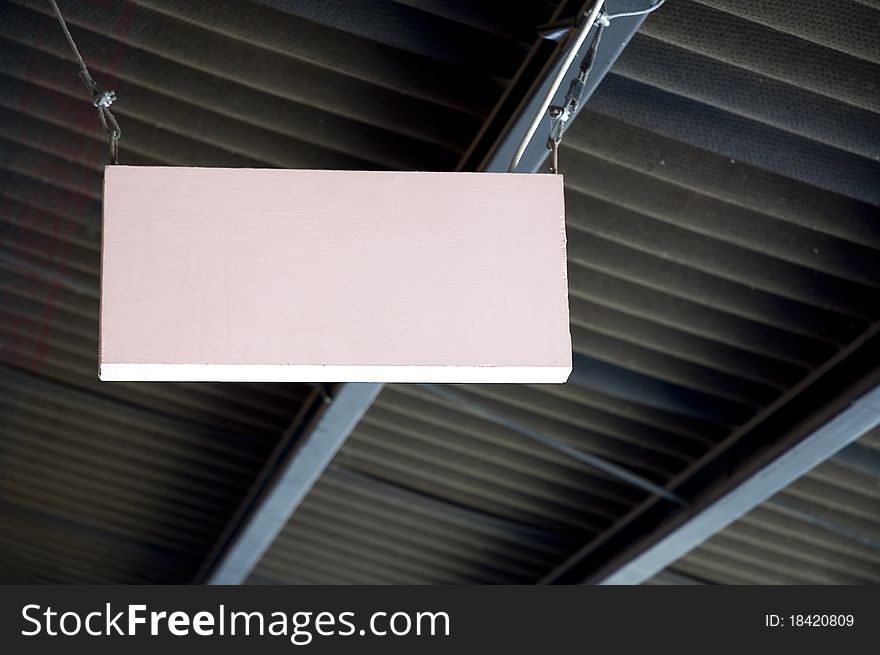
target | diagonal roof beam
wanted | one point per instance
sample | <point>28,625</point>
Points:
<point>828,410</point>
<point>863,415</point>
<point>289,475</point>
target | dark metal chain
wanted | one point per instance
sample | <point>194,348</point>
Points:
<point>100,99</point>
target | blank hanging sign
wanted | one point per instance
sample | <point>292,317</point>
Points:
<point>218,274</point>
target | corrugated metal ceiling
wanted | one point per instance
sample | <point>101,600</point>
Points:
<point>723,243</point>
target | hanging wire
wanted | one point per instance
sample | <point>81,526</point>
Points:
<point>561,114</point>
<point>100,99</point>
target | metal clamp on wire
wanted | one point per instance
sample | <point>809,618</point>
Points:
<point>100,99</point>
<point>108,121</point>
<point>104,99</point>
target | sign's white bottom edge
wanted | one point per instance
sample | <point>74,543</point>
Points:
<point>306,373</point>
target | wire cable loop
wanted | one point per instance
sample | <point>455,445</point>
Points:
<point>100,99</point>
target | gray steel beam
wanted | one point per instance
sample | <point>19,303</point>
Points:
<point>829,409</point>
<point>286,485</point>
<point>848,426</point>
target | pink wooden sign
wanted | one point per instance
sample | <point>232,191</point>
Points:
<point>293,275</point>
